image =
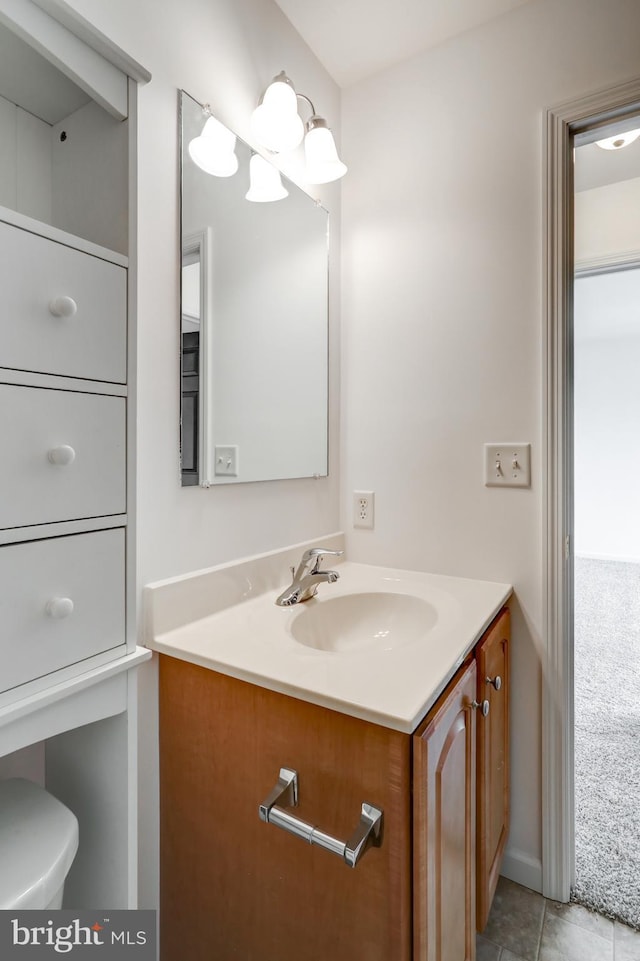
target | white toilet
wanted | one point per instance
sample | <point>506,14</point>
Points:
<point>38,842</point>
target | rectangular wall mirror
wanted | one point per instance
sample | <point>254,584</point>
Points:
<point>254,315</point>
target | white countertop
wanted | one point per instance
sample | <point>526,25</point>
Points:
<point>251,640</point>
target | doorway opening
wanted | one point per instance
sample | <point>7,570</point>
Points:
<point>606,467</point>
<point>572,124</point>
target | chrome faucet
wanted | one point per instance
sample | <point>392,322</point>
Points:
<point>307,577</point>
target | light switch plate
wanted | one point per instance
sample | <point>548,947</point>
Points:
<point>507,465</point>
<point>226,460</point>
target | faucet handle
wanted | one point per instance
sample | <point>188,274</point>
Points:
<point>316,554</point>
<point>319,551</point>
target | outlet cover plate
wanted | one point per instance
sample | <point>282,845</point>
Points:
<point>363,509</point>
<point>507,465</point>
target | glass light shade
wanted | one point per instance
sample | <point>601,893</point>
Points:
<point>619,141</point>
<point>322,162</point>
<point>213,150</point>
<point>265,184</point>
<point>276,123</point>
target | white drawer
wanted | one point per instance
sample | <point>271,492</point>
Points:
<point>34,272</point>
<point>61,600</point>
<point>39,426</point>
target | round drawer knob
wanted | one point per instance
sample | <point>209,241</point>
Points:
<point>482,706</point>
<point>59,607</point>
<point>63,307</point>
<point>62,456</point>
<point>496,681</point>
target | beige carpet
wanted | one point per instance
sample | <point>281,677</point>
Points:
<point>607,738</point>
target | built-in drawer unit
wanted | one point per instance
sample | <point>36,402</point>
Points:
<point>62,600</point>
<point>64,455</point>
<point>63,310</point>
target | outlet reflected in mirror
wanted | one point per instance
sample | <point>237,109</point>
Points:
<point>254,325</point>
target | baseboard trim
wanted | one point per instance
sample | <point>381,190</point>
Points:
<point>523,869</point>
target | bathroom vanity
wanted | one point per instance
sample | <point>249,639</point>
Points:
<point>67,416</point>
<point>413,726</point>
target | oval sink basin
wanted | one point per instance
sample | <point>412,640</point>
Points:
<point>353,622</point>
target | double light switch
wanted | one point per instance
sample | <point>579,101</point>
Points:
<point>507,465</point>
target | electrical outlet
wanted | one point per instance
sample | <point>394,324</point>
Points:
<point>363,504</point>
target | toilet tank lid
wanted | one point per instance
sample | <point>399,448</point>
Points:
<point>38,842</point>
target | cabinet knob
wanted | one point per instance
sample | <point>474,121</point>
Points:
<point>481,706</point>
<point>63,307</point>
<point>62,456</point>
<point>496,681</point>
<point>59,607</point>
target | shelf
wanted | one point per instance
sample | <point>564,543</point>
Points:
<point>91,696</point>
<point>61,236</point>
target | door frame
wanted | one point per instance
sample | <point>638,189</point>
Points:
<point>562,123</point>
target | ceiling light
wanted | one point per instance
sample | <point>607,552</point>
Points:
<point>276,123</point>
<point>265,183</point>
<point>214,150</point>
<point>619,141</point>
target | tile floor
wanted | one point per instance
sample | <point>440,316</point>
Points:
<point>524,926</point>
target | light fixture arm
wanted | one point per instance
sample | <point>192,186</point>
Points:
<point>302,96</point>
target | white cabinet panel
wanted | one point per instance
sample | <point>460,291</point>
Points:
<point>63,455</point>
<point>90,340</point>
<point>61,600</point>
<point>33,175</point>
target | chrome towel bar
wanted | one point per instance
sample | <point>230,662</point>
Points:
<point>367,834</point>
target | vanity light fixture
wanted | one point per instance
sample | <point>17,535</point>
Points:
<point>619,141</point>
<point>276,125</point>
<point>214,150</point>
<point>265,183</point>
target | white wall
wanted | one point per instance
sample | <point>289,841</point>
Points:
<point>607,415</point>
<point>224,52</point>
<point>606,367</point>
<point>606,223</point>
<point>443,313</point>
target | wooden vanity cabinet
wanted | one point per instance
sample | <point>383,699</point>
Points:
<point>236,889</point>
<point>233,887</point>
<point>492,818</point>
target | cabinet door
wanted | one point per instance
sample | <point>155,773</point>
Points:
<point>492,657</point>
<point>236,889</point>
<point>444,794</point>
